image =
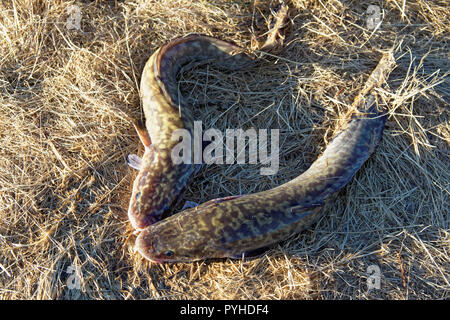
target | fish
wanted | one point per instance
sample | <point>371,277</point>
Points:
<point>239,225</point>
<point>160,181</point>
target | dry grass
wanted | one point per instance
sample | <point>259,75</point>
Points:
<point>67,98</point>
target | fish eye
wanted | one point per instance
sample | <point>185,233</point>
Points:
<point>168,253</point>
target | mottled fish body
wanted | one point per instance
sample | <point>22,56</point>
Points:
<point>232,226</point>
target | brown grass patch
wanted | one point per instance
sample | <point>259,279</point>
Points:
<point>67,98</point>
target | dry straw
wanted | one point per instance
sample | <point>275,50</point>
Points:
<point>67,98</point>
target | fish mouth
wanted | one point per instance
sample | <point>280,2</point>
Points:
<point>144,246</point>
<point>152,259</point>
<point>132,217</point>
<point>141,224</point>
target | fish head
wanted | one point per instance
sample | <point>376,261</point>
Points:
<point>169,241</point>
<point>148,199</point>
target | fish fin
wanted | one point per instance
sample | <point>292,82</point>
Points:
<point>134,161</point>
<point>251,254</point>
<point>306,206</point>
<point>305,209</point>
<point>142,133</point>
<point>189,204</point>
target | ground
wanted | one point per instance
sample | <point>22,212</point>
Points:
<point>69,89</point>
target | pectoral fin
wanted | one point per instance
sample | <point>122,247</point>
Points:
<point>134,161</point>
<point>142,133</point>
